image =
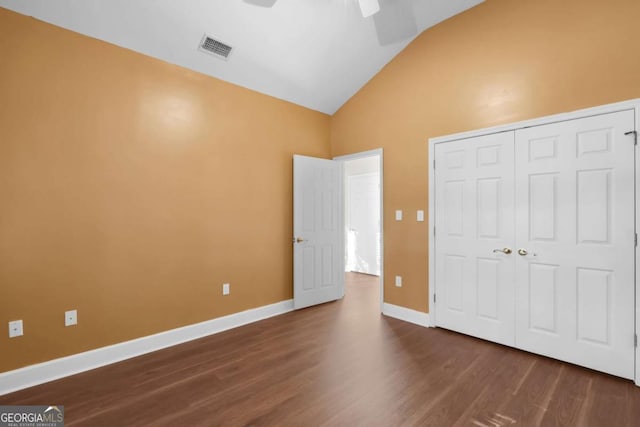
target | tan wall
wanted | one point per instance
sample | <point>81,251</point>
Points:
<point>500,62</point>
<point>131,189</point>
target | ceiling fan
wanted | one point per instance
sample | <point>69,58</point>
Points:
<point>394,19</point>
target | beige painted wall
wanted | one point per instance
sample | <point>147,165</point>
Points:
<point>131,189</point>
<point>500,62</point>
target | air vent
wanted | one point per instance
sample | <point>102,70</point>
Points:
<point>215,47</point>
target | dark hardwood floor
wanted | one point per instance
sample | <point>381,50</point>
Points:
<point>340,364</point>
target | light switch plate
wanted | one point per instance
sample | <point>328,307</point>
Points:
<point>399,215</point>
<point>225,289</point>
<point>70,317</point>
<point>399,281</point>
<point>15,329</point>
<point>420,216</point>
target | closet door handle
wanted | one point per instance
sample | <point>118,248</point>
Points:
<point>503,250</point>
<point>522,252</point>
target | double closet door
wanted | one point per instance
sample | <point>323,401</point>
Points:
<point>535,240</point>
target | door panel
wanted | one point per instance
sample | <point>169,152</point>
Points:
<point>542,292</point>
<point>575,218</point>
<point>474,216</point>
<point>318,271</point>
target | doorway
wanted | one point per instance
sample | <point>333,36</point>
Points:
<point>363,224</point>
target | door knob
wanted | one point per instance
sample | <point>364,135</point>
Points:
<point>503,250</point>
<point>522,252</point>
<point>298,240</point>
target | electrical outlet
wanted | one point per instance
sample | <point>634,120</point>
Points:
<point>399,281</point>
<point>420,216</point>
<point>71,318</point>
<point>15,329</point>
<point>399,215</point>
<point>225,289</point>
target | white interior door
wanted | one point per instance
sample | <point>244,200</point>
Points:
<point>474,234</point>
<point>575,219</point>
<point>363,198</point>
<point>318,261</point>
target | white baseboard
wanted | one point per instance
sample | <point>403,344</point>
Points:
<point>58,368</point>
<point>406,314</point>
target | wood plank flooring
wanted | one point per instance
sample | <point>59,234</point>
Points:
<point>340,364</point>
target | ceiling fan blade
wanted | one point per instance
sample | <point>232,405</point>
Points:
<point>395,22</point>
<point>369,7</point>
<point>262,3</point>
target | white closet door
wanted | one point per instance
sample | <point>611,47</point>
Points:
<point>575,219</point>
<point>474,217</point>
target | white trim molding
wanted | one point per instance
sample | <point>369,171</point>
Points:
<point>637,226</point>
<point>406,314</point>
<point>59,368</point>
<point>555,118</point>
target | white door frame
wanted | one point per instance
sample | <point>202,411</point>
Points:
<point>372,153</point>
<point>633,104</point>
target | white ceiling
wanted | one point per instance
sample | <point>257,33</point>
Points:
<point>315,53</point>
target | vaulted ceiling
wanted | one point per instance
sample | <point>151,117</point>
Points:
<point>315,53</point>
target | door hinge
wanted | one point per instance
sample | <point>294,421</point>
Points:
<point>635,340</point>
<point>434,298</point>
<point>635,240</point>
<point>434,163</point>
<point>434,232</point>
<point>635,136</point>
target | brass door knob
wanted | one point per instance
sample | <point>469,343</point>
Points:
<point>522,252</point>
<point>503,250</point>
<point>298,240</point>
